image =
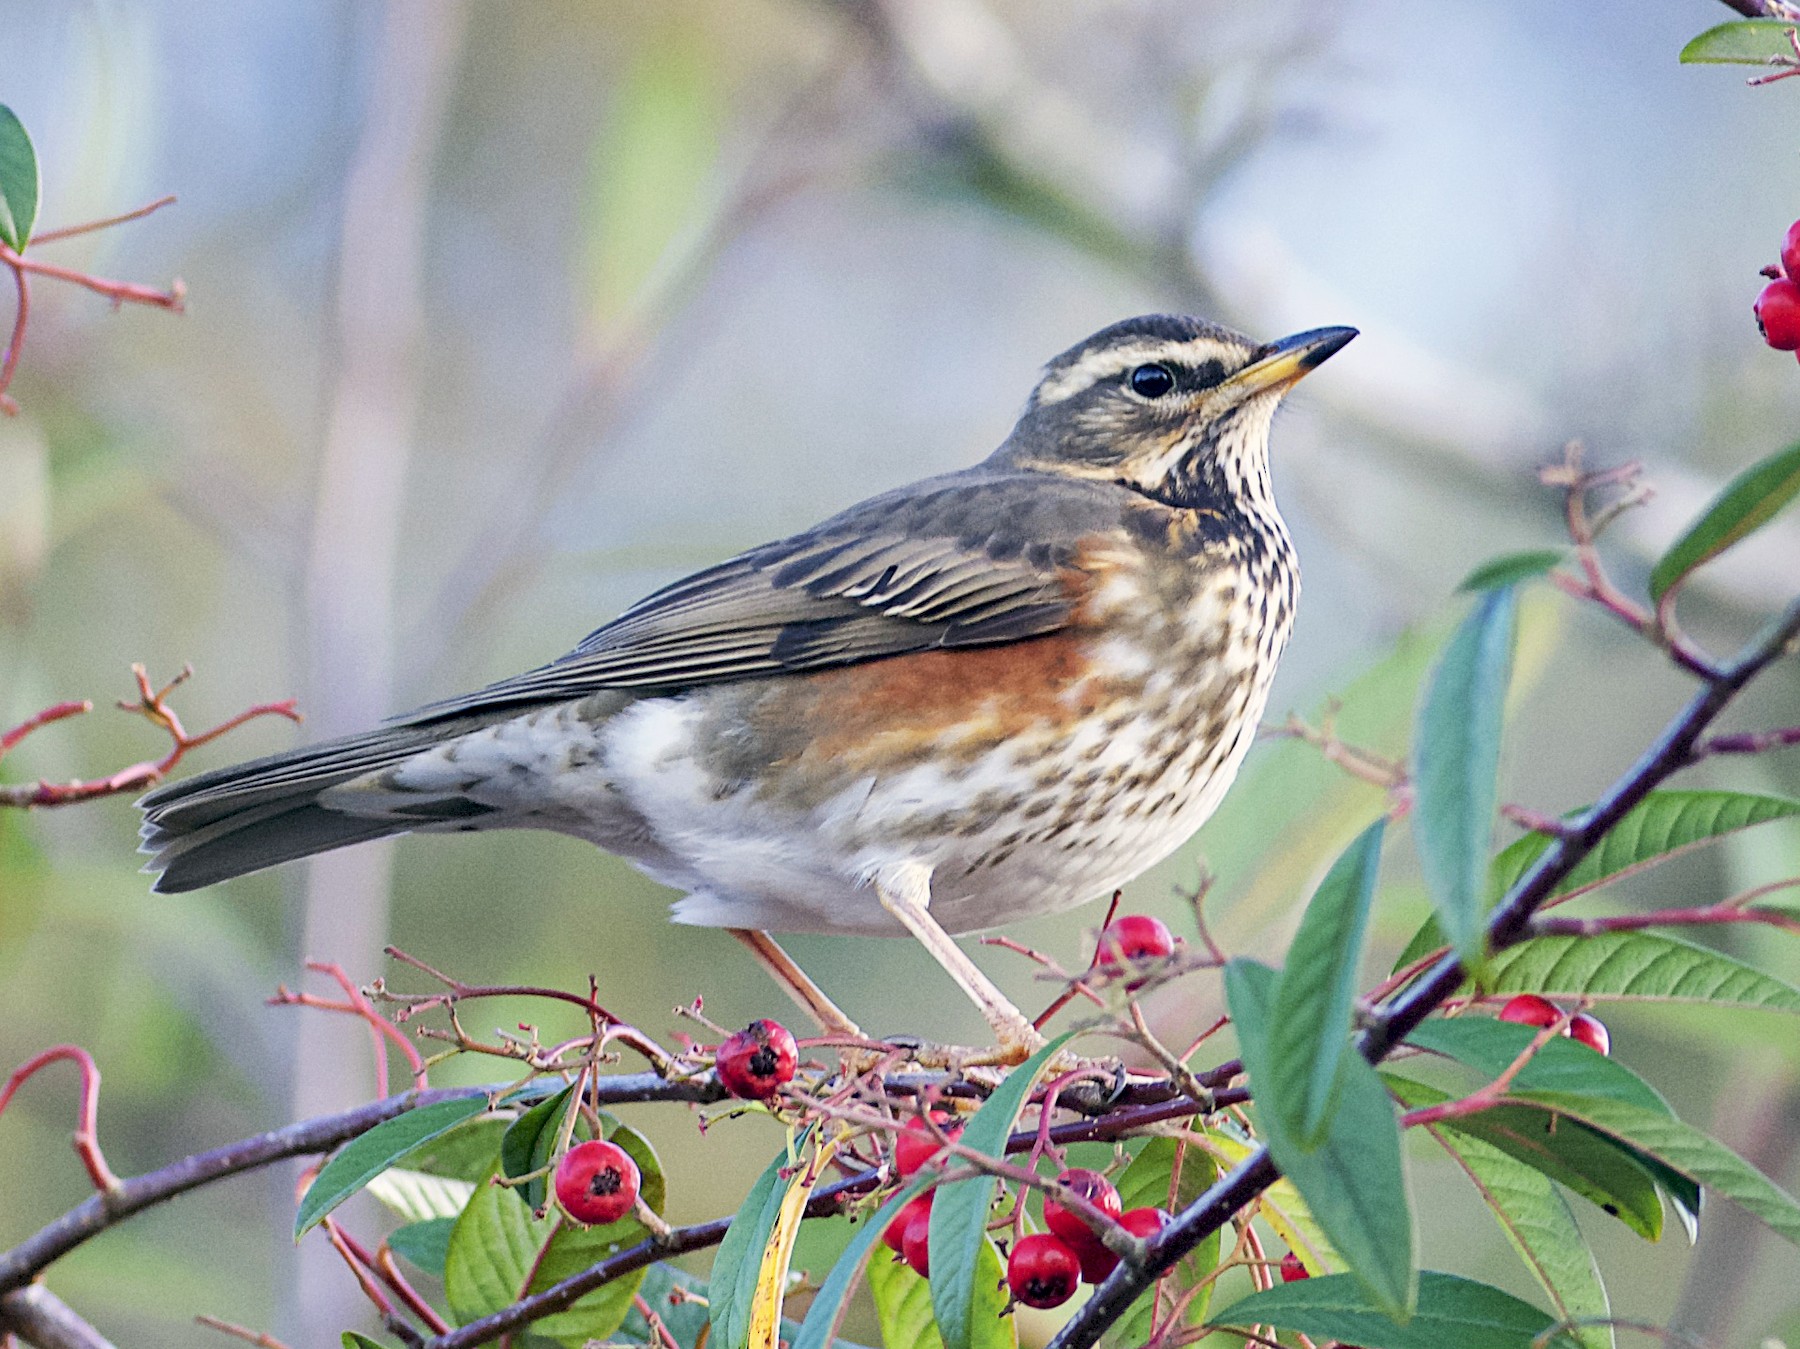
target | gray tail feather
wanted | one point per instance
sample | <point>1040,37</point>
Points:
<point>253,815</point>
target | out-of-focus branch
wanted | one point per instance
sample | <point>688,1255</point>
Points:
<point>153,705</point>
<point>40,1318</point>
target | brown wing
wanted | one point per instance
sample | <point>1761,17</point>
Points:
<point>967,559</point>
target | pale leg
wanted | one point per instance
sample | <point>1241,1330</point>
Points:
<point>905,892</point>
<point>780,965</point>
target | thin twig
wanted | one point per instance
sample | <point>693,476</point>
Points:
<point>70,231</point>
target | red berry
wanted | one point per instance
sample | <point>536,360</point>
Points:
<point>1778,315</point>
<point>917,1145</point>
<point>1136,936</point>
<point>1292,1268</point>
<point>915,1245</point>
<point>1790,251</point>
<point>894,1234</point>
<point>1097,1262</point>
<point>597,1182</point>
<point>758,1061</point>
<point>1042,1271</point>
<point>1528,1009</point>
<point>1091,1186</point>
<point>1590,1031</point>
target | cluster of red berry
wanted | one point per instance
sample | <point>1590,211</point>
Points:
<point>1044,1268</point>
<point>1778,307</point>
<point>1528,1009</point>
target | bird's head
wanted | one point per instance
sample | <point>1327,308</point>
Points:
<point>1175,407</point>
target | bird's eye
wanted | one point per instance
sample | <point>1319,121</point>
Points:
<point>1152,381</point>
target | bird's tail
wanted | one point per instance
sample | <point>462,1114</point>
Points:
<point>253,815</point>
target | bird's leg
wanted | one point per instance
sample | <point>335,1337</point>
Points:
<point>781,967</point>
<point>905,892</point>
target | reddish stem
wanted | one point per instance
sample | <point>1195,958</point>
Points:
<point>55,712</point>
<point>1699,917</point>
<point>16,344</point>
<point>357,1005</point>
<point>70,231</point>
<point>1748,742</point>
<point>119,292</point>
<point>86,1138</point>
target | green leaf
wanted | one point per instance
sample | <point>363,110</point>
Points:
<point>1490,1047</point>
<point>1149,1182</point>
<point>425,1244</point>
<point>1661,826</point>
<point>419,1195</point>
<point>816,1332</point>
<point>19,186</point>
<point>903,1305</point>
<point>1536,1219</point>
<point>1451,1311</point>
<point>527,1143</point>
<point>364,1158</point>
<point>1745,504</point>
<point>1512,568</point>
<point>356,1340</point>
<point>732,1288</point>
<point>1354,1181</point>
<point>1456,765</point>
<point>1681,1148</point>
<point>959,1212</point>
<point>1310,1018</point>
<point>498,1252</point>
<point>1636,965</point>
<point>468,1153</point>
<point>1745,42</point>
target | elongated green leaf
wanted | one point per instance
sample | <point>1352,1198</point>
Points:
<point>1309,1022</point>
<point>354,1339</point>
<point>527,1144</point>
<point>419,1195</point>
<point>1637,965</point>
<point>1354,1181</point>
<point>1150,1182</point>
<point>19,186</point>
<point>1451,1311</point>
<point>1682,1148</point>
<point>1456,766</point>
<point>903,1305</point>
<point>1661,826</point>
<point>1745,504</point>
<point>816,1332</point>
<point>498,1253</point>
<point>959,1212</point>
<point>364,1158</point>
<point>1512,568</point>
<point>425,1244</point>
<point>732,1289</point>
<point>1561,1065</point>
<point>1534,1216</point>
<point>1745,42</point>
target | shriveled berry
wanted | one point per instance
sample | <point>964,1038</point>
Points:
<point>1528,1009</point>
<point>597,1182</point>
<point>1135,936</point>
<point>917,1145</point>
<point>1292,1268</point>
<point>894,1234</point>
<point>1790,252</point>
<point>758,1061</point>
<point>1778,315</point>
<point>1590,1031</point>
<point>915,1246</point>
<point>1091,1186</point>
<point>1042,1271</point>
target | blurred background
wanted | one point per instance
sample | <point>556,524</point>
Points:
<point>502,315</point>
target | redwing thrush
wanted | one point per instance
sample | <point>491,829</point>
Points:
<point>994,693</point>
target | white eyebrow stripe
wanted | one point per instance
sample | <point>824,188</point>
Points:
<point>1104,364</point>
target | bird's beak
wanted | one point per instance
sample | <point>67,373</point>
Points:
<point>1280,364</point>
